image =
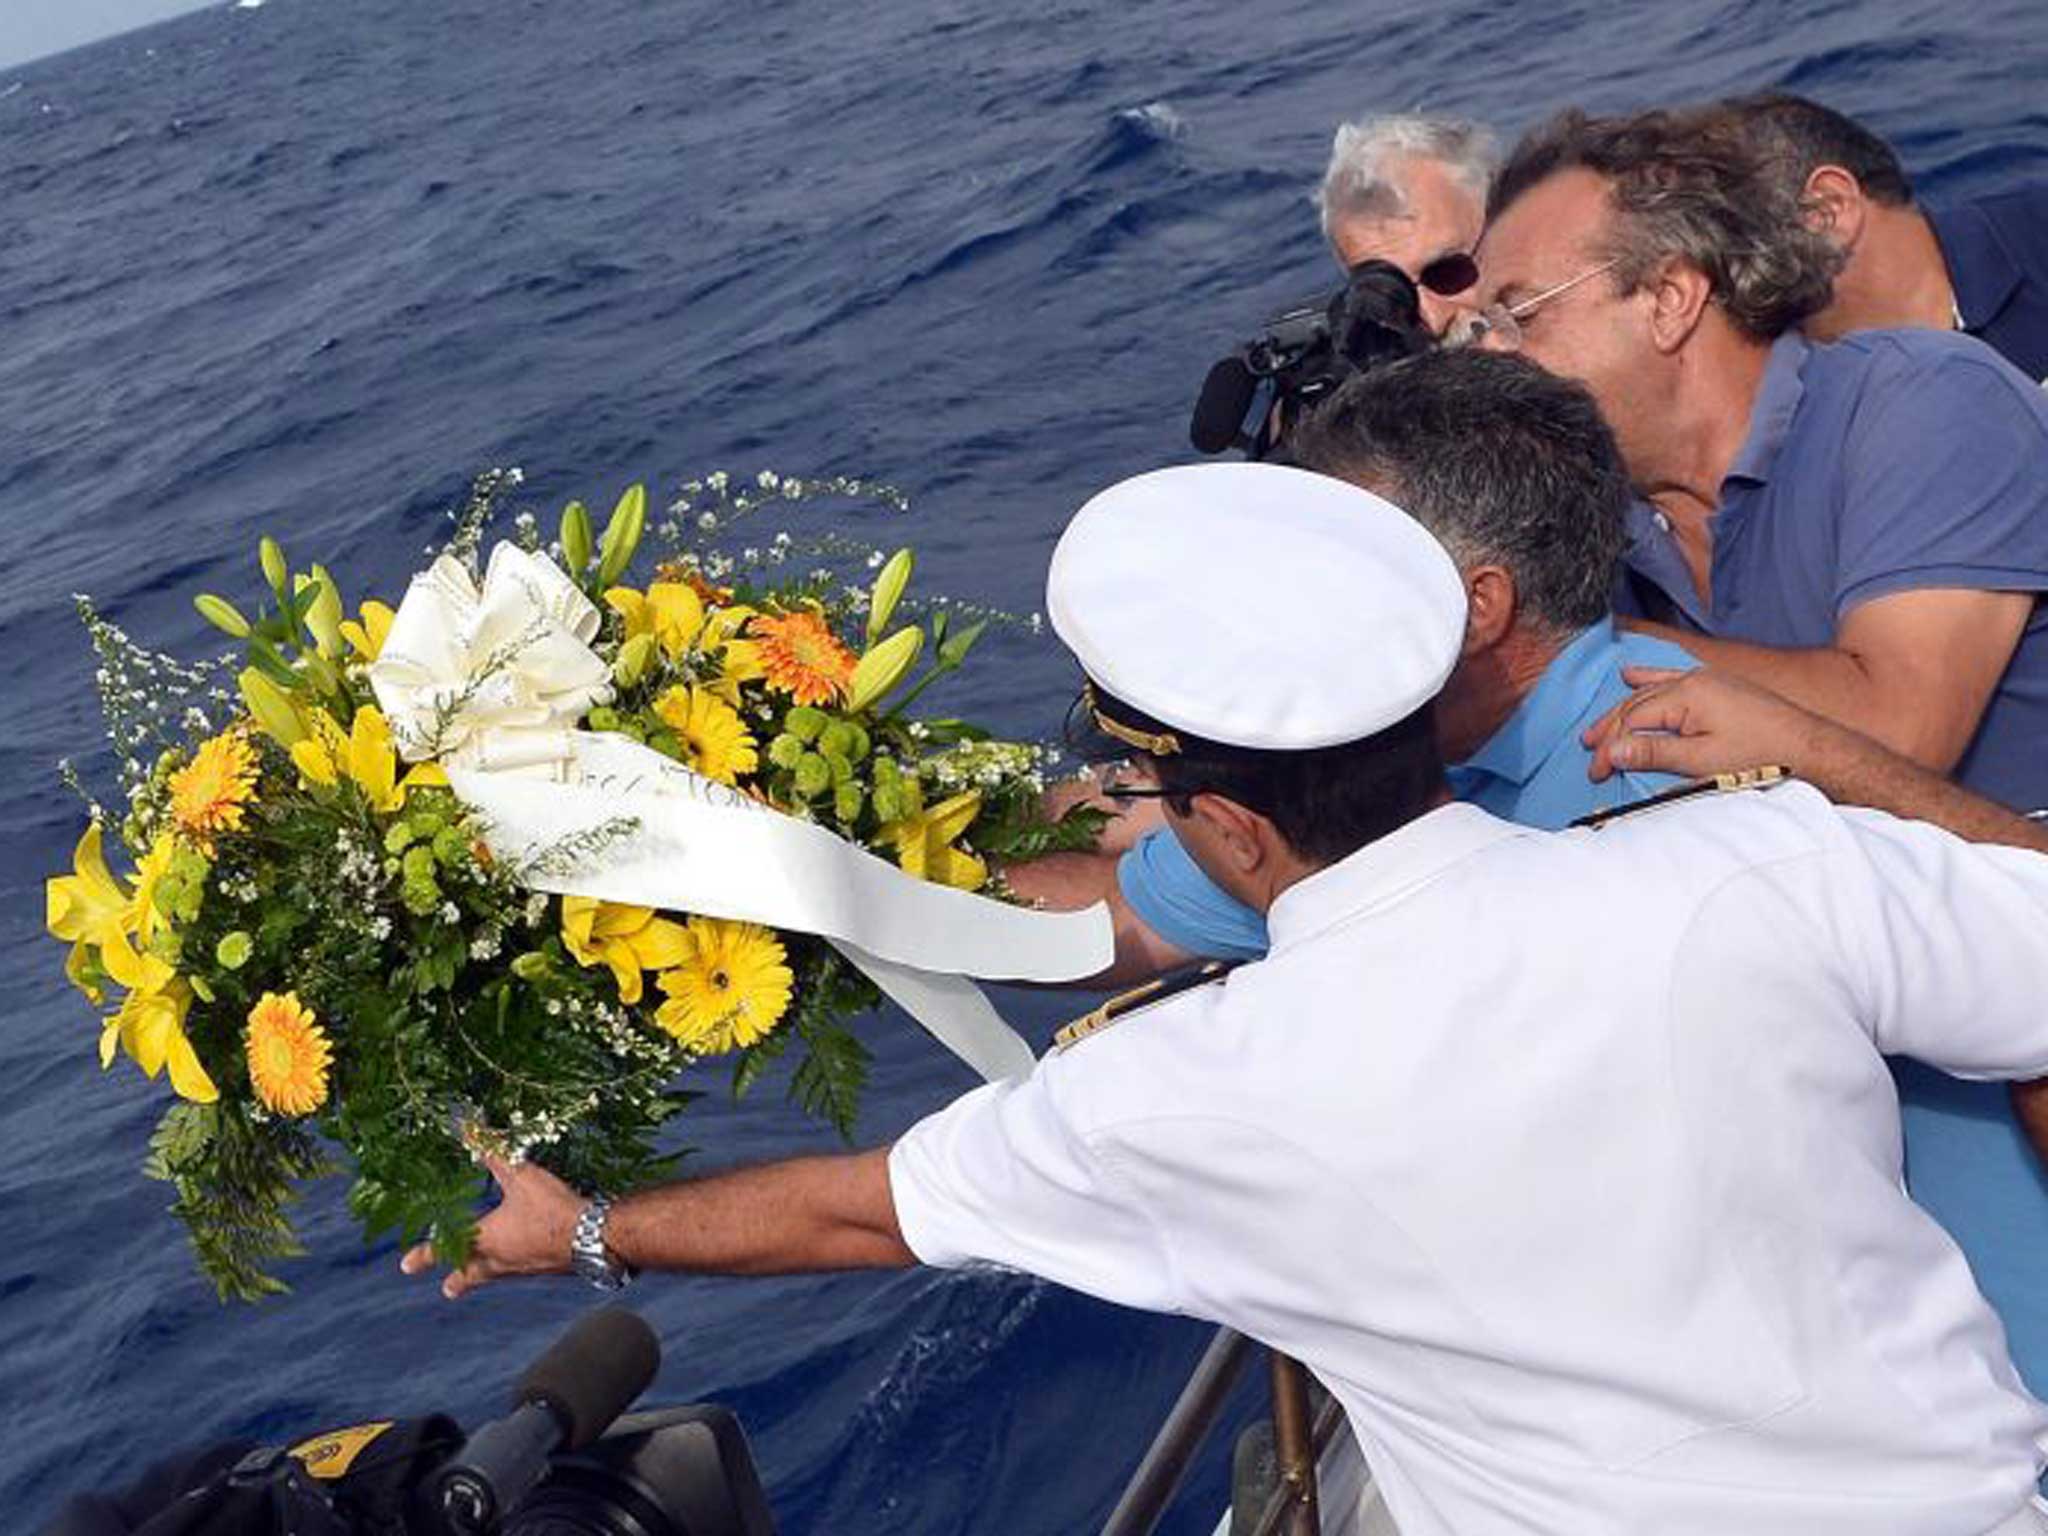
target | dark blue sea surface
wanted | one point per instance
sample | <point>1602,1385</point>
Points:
<point>303,268</point>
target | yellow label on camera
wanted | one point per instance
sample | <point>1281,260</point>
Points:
<point>332,1454</point>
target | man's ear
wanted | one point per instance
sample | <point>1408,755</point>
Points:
<point>1832,203</point>
<point>1679,293</point>
<point>1489,607</point>
<point>1241,837</point>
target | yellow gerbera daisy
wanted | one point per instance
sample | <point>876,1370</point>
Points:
<point>715,740</point>
<point>802,657</point>
<point>729,990</point>
<point>288,1055</point>
<point>208,793</point>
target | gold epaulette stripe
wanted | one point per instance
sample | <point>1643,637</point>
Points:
<point>1719,784</point>
<point>1109,1011</point>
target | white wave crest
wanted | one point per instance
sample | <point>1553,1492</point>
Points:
<point>1156,118</point>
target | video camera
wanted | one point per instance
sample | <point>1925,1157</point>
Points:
<point>562,1463</point>
<point>1251,398</point>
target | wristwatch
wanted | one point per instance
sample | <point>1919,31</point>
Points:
<point>588,1256</point>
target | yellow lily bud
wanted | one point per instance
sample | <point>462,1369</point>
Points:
<point>272,558</point>
<point>272,708</point>
<point>883,668</point>
<point>622,535</point>
<point>323,619</point>
<point>366,638</point>
<point>889,585</point>
<point>635,657</point>
<point>222,615</point>
<point>576,538</point>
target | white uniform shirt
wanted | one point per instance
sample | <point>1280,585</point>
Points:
<point>1570,1164</point>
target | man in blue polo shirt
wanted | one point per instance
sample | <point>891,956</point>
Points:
<point>1980,267</point>
<point>1515,473</point>
<point>1862,527</point>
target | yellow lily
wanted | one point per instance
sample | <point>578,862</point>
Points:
<point>924,842</point>
<point>365,755</point>
<point>151,1023</point>
<point>668,610</point>
<point>88,907</point>
<point>739,661</point>
<point>631,940</point>
<point>89,904</point>
<point>366,637</point>
<point>143,917</point>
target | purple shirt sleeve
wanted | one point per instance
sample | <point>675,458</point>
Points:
<point>1945,480</point>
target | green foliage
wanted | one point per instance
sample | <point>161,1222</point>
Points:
<point>834,1069</point>
<point>235,1180</point>
<point>1013,828</point>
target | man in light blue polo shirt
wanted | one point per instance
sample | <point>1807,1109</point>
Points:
<point>1517,476</point>
<point>1861,526</point>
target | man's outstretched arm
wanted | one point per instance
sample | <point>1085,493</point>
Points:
<point>792,1217</point>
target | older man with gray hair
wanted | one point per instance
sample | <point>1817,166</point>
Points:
<point>1410,189</point>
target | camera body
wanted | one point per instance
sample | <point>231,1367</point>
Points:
<point>683,1471</point>
<point>1251,398</point>
<point>564,1462</point>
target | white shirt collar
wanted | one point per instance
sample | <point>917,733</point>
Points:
<point>1383,871</point>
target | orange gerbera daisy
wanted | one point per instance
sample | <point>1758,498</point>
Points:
<point>208,793</point>
<point>288,1054</point>
<point>801,657</point>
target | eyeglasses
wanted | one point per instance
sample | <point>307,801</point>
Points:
<point>1449,275</point>
<point>1123,794</point>
<point>1501,324</point>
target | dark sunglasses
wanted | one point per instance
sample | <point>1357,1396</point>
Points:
<point>1449,275</point>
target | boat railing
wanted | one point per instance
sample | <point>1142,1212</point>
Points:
<point>1300,1435</point>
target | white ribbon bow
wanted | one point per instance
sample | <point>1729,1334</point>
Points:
<point>493,683</point>
<point>495,678</point>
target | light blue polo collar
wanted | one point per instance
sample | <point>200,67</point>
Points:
<point>1548,719</point>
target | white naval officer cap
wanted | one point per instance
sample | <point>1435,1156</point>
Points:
<point>1256,605</point>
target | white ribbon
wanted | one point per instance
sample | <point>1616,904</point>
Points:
<point>492,683</point>
<point>493,678</point>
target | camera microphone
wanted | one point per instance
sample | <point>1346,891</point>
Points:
<point>1218,420</point>
<point>566,1400</point>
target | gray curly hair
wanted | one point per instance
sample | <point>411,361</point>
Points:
<point>1358,182</point>
<point>1688,184</point>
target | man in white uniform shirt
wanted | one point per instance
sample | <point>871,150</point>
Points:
<point>1568,1162</point>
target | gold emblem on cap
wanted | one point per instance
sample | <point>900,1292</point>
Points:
<point>1158,743</point>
